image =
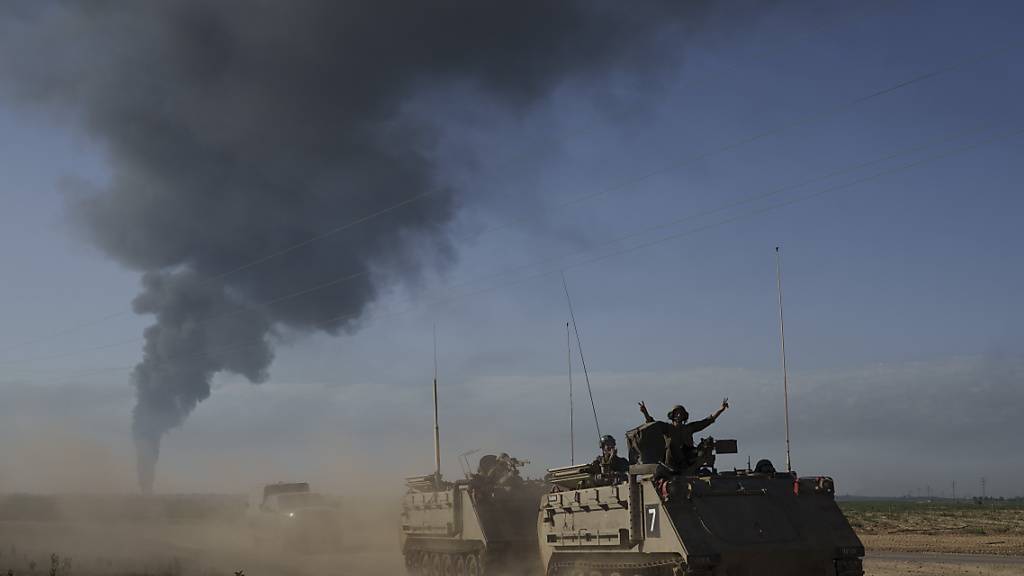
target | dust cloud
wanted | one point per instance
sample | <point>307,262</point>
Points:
<point>68,505</point>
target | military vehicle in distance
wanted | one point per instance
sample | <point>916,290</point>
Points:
<point>702,522</point>
<point>483,524</point>
<point>293,518</point>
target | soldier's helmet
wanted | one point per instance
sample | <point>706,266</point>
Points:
<point>678,408</point>
<point>607,440</point>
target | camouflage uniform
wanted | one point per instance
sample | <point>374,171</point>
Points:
<point>679,447</point>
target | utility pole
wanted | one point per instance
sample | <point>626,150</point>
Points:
<point>983,488</point>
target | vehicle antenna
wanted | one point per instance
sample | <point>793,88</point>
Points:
<point>583,361</point>
<point>467,469</point>
<point>572,434</point>
<point>437,431</point>
<point>782,338</point>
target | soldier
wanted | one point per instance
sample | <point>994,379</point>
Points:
<point>679,450</point>
<point>505,470</point>
<point>609,463</point>
<point>608,468</point>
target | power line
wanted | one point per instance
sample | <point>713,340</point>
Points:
<point>623,251</point>
<point>668,224</point>
<point>351,224</point>
<point>799,122</point>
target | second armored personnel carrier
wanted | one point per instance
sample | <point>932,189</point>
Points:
<point>703,522</point>
<point>483,524</point>
<point>293,518</point>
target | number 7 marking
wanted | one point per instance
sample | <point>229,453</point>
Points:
<point>652,528</point>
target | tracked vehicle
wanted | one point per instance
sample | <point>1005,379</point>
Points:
<point>293,518</point>
<point>483,524</point>
<point>701,522</point>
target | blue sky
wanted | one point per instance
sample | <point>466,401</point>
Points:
<point>902,291</point>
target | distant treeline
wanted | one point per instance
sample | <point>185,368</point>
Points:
<point>976,499</point>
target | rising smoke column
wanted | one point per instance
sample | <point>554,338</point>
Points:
<point>199,331</point>
<point>236,129</point>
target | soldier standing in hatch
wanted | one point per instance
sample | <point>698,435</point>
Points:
<point>679,433</point>
<point>609,463</point>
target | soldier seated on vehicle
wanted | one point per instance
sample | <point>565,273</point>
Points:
<point>497,473</point>
<point>505,470</point>
<point>703,458</point>
<point>609,467</point>
<point>764,466</point>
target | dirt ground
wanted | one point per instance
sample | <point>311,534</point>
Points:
<point>1006,545</point>
<point>63,537</point>
<point>922,564</point>
<point>207,549</point>
<point>940,538</point>
<point>948,527</point>
<point>921,541</point>
<point>940,528</point>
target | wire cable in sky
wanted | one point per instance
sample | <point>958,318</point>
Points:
<point>629,249</point>
<point>508,271</point>
<point>411,200</point>
<point>799,122</point>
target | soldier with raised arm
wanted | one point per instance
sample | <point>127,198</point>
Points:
<point>678,433</point>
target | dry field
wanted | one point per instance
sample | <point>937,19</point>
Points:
<point>940,538</point>
<point>943,527</point>
<point>186,536</point>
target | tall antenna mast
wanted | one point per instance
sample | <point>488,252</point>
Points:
<point>437,430</point>
<point>572,434</point>
<point>782,337</point>
<point>583,361</point>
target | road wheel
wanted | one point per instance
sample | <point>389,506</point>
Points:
<point>473,567</point>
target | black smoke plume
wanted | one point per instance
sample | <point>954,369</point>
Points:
<point>238,128</point>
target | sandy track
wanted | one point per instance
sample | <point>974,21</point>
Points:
<point>929,564</point>
<point>1003,544</point>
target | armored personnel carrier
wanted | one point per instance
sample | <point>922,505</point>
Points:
<point>291,517</point>
<point>699,521</point>
<point>483,524</point>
